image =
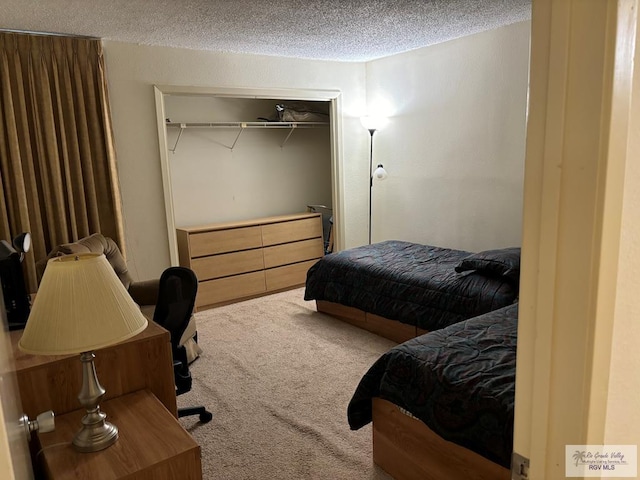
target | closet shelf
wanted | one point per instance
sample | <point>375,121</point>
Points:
<point>241,126</point>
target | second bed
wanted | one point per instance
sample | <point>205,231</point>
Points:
<point>442,404</point>
<point>401,289</point>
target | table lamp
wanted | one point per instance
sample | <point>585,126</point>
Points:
<point>81,306</point>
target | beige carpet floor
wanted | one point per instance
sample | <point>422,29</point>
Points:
<point>278,376</point>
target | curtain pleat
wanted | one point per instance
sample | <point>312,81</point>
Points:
<point>58,174</point>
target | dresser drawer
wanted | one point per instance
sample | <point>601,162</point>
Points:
<point>288,276</point>
<point>282,232</point>
<point>226,264</point>
<point>223,241</point>
<point>233,260</point>
<point>292,252</point>
<point>222,290</point>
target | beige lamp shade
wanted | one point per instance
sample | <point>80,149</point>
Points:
<point>81,305</point>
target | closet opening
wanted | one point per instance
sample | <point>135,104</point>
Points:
<point>234,155</point>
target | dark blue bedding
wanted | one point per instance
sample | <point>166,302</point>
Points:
<point>460,381</point>
<point>412,283</point>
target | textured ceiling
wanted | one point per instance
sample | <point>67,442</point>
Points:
<point>345,30</point>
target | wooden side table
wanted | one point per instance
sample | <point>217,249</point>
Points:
<point>152,445</point>
<point>50,382</point>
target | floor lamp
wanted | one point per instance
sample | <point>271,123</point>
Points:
<point>372,124</point>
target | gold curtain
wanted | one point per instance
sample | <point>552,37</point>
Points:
<point>58,177</point>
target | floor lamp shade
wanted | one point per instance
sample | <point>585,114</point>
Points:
<point>373,122</point>
<point>80,306</point>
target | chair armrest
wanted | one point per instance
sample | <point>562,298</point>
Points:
<point>145,292</point>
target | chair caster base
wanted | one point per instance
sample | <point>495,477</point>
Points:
<point>206,417</point>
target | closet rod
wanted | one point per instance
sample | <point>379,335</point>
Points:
<point>242,126</point>
<point>246,124</point>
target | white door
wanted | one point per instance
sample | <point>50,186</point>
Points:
<point>577,137</point>
<point>14,450</point>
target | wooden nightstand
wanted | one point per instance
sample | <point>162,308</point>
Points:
<point>152,445</point>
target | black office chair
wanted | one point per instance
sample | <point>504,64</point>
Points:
<point>327,225</point>
<point>176,298</point>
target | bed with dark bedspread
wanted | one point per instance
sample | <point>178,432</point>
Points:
<point>460,381</point>
<point>412,283</point>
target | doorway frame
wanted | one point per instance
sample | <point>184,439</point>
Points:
<point>334,97</point>
<point>570,252</point>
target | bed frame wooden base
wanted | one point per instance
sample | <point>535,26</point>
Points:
<point>391,329</point>
<point>407,449</point>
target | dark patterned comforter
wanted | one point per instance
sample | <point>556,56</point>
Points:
<point>460,381</point>
<point>415,284</point>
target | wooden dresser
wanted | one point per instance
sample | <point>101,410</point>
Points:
<point>52,382</point>
<point>239,260</point>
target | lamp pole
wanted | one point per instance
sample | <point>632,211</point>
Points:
<point>371,132</point>
<point>372,124</point>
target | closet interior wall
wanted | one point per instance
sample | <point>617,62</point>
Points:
<point>223,174</point>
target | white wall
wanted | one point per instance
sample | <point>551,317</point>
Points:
<point>229,174</point>
<point>132,70</point>
<point>454,146</point>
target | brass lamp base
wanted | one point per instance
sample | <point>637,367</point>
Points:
<point>96,433</point>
